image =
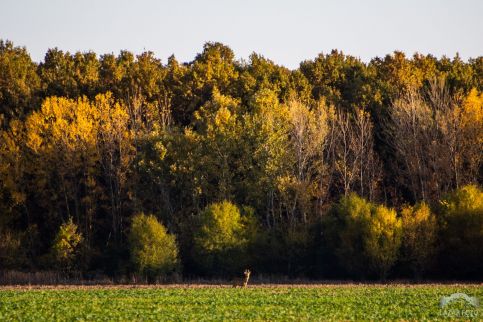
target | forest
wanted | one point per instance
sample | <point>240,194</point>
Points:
<point>122,165</point>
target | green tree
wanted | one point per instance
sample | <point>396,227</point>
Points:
<point>223,237</point>
<point>153,250</point>
<point>341,79</point>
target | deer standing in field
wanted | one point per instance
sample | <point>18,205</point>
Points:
<point>242,282</point>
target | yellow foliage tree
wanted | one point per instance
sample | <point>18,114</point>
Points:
<point>75,154</point>
<point>382,239</point>
<point>153,251</point>
<point>419,237</point>
<point>461,222</point>
<point>365,237</point>
<point>66,245</point>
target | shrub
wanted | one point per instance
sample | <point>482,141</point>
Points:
<point>284,251</point>
<point>461,221</point>
<point>223,237</point>
<point>344,233</point>
<point>364,237</point>
<point>66,245</point>
<point>419,237</point>
<point>18,249</point>
<point>154,252</point>
<point>10,247</point>
<point>382,239</point>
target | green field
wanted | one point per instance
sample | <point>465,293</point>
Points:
<point>324,302</point>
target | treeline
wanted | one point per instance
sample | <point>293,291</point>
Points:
<point>340,168</point>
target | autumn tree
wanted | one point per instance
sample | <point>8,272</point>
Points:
<point>353,156</point>
<point>61,142</point>
<point>431,137</point>
<point>13,164</point>
<point>116,149</point>
<point>383,239</point>
<point>19,83</point>
<point>75,153</point>
<point>101,138</point>
<point>309,140</point>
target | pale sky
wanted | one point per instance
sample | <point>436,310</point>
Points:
<point>286,32</point>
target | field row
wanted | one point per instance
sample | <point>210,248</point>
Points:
<point>269,302</point>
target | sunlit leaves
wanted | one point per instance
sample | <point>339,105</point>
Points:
<point>153,251</point>
<point>66,244</point>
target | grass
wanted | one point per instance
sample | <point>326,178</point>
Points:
<point>182,303</point>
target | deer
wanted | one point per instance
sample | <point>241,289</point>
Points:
<point>242,282</point>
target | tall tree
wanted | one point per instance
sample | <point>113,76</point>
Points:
<point>431,136</point>
<point>19,83</point>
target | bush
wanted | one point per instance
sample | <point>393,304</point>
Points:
<point>10,247</point>
<point>66,245</point>
<point>18,249</point>
<point>461,220</point>
<point>284,251</point>
<point>153,251</point>
<point>382,239</point>
<point>419,237</point>
<point>363,237</point>
<point>223,237</point>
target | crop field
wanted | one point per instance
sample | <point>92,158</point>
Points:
<point>269,302</point>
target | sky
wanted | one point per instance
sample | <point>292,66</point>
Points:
<point>286,32</point>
